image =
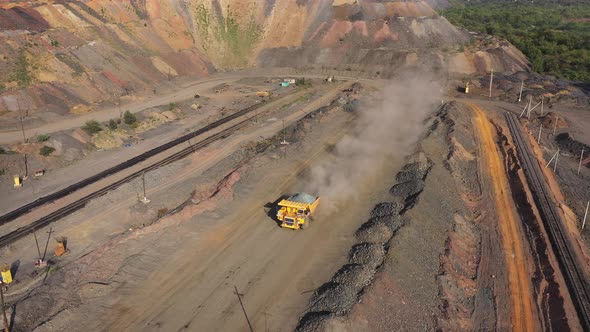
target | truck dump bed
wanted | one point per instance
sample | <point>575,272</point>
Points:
<point>301,201</point>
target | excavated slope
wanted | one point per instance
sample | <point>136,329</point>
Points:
<point>55,55</point>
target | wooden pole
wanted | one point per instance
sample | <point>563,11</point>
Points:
<point>539,137</point>
<point>22,128</point>
<point>580,164</point>
<point>555,125</point>
<point>520,94</point>
<point>531,108</point>
<point>243,309</point>
<point>491,81</point>
<point>47,244</point>
<point>550,160</point>
<point>556,159</point>
<point>542,99</point>
<point>585,214</point>
<point>143,182</point>
<point>4,318</point>
<point>26,165</point>
<point>37,243</point>
<point>21,118</point>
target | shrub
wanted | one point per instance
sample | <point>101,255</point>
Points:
<point>112,124</point>
<point>129,118</point>
<point>46,150</point>
<point>162,212</point>
<point>171,106</point>
<point>42,138</point>
<point>92,127</point>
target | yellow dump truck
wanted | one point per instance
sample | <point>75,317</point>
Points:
<point>296,211</point>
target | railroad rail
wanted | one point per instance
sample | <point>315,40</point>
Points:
<point>117,168</point>
<point>571,268</point>
<point>72,207</point>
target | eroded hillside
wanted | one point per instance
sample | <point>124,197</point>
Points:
<point>61,56</point>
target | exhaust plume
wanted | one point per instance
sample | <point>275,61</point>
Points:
<point>386,129</point>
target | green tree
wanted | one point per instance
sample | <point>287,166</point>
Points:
<point>92,127</point>
<point>112,124</point>
<point>129,118</point>
<point>46,150</point>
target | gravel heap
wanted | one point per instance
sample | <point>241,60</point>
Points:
<point>338,296</point>
<point>411,180</point>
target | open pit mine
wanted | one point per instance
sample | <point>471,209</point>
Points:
<point>292,165</point>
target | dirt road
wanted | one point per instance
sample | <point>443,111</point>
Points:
<point>275,269</point>
<point>518,277</point>
<point>105,114</point>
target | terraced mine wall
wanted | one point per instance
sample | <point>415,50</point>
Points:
<point>58,55</point>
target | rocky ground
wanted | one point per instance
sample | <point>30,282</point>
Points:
<point>391,280</point>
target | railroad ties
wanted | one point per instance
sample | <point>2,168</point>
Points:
<point>570,266</point>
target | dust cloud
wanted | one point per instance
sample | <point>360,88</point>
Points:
<point>387,129</point>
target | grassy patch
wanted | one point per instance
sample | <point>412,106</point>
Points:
<point>302,98</point>
<point>46,150</point>
<point>92,127</point>
<point>42,138</point>
<point>22,74</point>
<point>238,40</point>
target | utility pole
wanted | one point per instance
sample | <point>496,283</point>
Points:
<point>531,109</point>
<point>284,142</point>
<point>26,165</point>
<point>581,158</point>
<point>21,118</point>
<point>520,94</point>
<point>47,244</point>
<point>526,107</point>
<point>22,128</point>
<point>4,318</point>
<point>243,309</point>
<point>37,243</point>
<point>585,214</point>
<point>144,200</point>
<point>491,81</point>
<point>550,160</point>
<point>528,112</point>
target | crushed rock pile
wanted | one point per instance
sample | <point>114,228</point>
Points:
<point>338,296</point>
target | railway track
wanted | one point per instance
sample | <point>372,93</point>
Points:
<point>70,208</point>
<point>117,168</point>
<point>574,275</point>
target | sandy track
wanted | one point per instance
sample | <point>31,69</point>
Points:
<point>59,203</point>
<point>275,269</point>
<point>114,112</point>
<point>520,292</point>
